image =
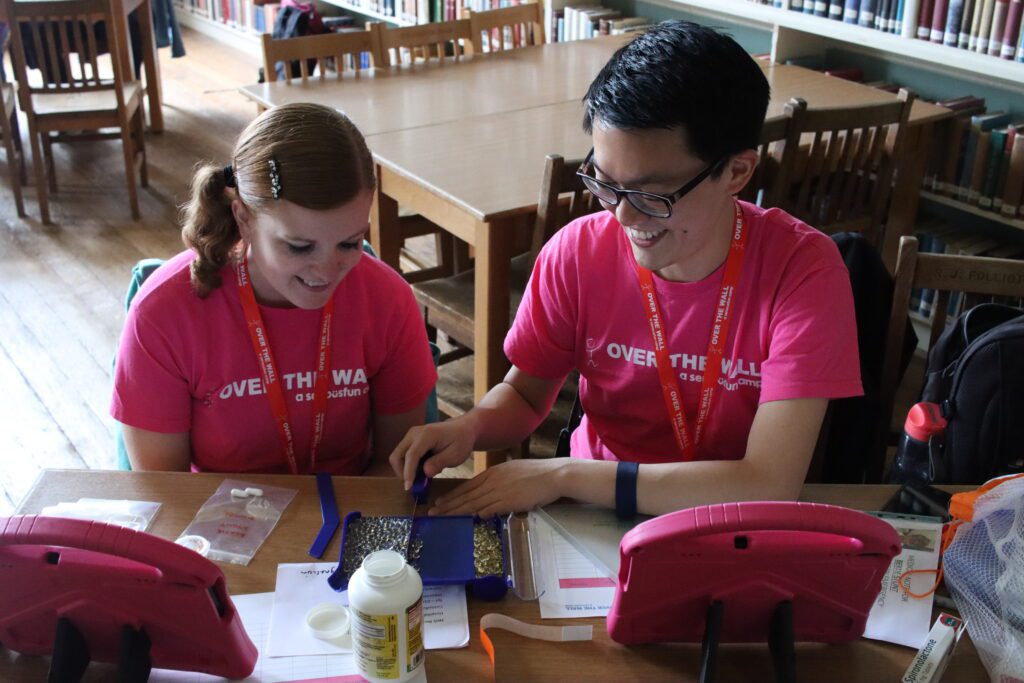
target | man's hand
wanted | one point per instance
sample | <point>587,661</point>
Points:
<point>451,441</point>
<point>513,486</point>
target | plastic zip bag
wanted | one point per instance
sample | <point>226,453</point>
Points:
<point>230,527</point>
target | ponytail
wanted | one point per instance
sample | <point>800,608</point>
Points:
<point>209,228</point>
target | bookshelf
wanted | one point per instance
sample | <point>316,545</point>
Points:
<point>797,34</point>
<point>994,216</point>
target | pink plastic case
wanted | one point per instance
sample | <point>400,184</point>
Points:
<point>826,561</point>
<point>102,577</point>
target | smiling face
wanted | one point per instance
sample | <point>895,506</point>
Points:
<point>656,160</point>
<point>298,256</point>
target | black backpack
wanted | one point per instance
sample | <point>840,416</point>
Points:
<point>853,420</point>
<point>975,373</point>
<point>293,22</point>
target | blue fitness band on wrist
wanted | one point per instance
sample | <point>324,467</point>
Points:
<point>625,489</point>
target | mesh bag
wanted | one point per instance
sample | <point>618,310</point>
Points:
<point>984,569</point>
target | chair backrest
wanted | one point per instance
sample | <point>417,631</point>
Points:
<point>844,180</point>
<point>554,209</point>
<point>508,27</point>
<point>345,50</point>
<point>62,40</point>
<point>776,153</point>
<point>974,276</point>
<point>439,40</point>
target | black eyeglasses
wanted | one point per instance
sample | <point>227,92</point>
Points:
<point>647,203</point>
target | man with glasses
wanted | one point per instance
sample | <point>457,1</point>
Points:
<point>709,333</point>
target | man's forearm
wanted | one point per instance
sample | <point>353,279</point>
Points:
<point>502,419</point>
<point>666,487</point>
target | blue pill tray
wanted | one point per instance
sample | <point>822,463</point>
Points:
<point>446,556</point>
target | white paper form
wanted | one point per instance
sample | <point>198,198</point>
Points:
<point>570,584</point>
<point>304,585</point>
<point>896,617</point>
<point>254,610</point>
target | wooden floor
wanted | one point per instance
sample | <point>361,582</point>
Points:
<point>62,286</point>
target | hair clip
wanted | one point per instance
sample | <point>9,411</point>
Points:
<point>275,179</point>
<point>229,176</point>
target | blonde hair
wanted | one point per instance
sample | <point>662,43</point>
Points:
<point>321,160</point>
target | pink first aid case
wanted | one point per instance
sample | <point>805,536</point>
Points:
<point>102,577</point>
<point>826,561</point>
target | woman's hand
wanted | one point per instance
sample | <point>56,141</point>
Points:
<point>513,486</point>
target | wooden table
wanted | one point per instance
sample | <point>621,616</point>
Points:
<point>517,659</point>
<point>416,95</point>
<point>150,60</point>
<point>463,144</point>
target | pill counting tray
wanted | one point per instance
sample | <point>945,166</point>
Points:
<point>446,553</point>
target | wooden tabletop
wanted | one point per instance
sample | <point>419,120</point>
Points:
<point>517,659</point>
<point>410,96</point>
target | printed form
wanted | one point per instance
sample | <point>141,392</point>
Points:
<point>570,584</point>
<point>254,611</point>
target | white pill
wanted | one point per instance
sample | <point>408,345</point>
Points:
<point>254,492</point>
<point>240,493</point>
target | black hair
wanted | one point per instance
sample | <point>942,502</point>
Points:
<point>683,75</point>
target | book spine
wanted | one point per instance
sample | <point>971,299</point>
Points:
<point>995,38</point>
<point>1014,179</point>
<point>986,26</point>
<point>850,11</point>
<point>1012,31</point>
<point>997,140</point>
<point>911,13</point>
<point>965,25</point>
<point>939,21</point>
<point>924,19</point>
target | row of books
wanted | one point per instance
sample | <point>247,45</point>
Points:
<point>579,22</point>
<point>981,162</point>
<point>991,27</point>
<point>988,26</point>
<point>241,15</point>
<point>941,238</point>
<point>244,16</point>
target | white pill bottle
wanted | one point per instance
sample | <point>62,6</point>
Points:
<point>385,597</point>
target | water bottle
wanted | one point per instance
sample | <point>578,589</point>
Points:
<point>924,426</point>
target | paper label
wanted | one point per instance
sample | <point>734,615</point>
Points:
<point>414,635</point>
<point>376,643</point>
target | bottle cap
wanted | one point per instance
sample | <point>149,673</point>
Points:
<point>924,421</point>
<point>196,543</point>
<point>329,621</point>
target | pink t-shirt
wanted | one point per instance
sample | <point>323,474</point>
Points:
<point>792,335</point>
<point>187,364</point>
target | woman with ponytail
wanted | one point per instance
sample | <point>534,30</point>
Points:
<point>272,344</point>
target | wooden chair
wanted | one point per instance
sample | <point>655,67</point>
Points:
<point>776,154</point>
<point>975,276</point>
<point>12,134</point>
<point>508,28</point>
<point>448,302</point>
<point>844,179</point>
<point>74,95</point>
<point>344,50</point>
<point>441,40</point>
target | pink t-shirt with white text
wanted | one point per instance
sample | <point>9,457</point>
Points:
<point>792,335</point>
<point>187,364</point>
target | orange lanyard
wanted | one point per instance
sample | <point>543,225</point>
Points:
<point>271,378</point>
<point>716,347</point>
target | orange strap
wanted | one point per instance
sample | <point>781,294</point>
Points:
<point>961,509</point>
<point>272,380</point>
<point>716,347</point>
